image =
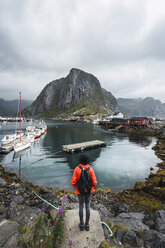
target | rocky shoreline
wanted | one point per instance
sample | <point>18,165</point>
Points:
<point>136,217</point>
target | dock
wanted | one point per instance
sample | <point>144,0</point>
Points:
<point>80,147</point>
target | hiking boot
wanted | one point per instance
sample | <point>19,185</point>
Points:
<point>87,228</point>
<point>81,227</point>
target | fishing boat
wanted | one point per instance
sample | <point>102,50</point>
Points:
<point>23,142</point>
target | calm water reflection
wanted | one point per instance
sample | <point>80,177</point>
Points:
<point>125,160</point>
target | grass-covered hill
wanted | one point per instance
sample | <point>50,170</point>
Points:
<point>79,93</point>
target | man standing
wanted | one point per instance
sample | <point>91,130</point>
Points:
<point>84,180</point>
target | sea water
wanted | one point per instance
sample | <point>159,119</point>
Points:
<point>125,160</point>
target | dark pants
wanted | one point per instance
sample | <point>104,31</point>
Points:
<point>86,199</point>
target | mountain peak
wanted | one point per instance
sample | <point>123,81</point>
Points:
<point>142,107</point>
<point>74,70</point>
<point>78,90</point>
<point>80,78</point>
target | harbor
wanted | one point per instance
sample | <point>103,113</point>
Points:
<point>19,140</point>
<point>45,162</point>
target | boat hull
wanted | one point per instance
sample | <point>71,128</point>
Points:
<point>21,146</point>
<point>8,139</point>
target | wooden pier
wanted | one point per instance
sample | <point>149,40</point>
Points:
<point>80,147</point>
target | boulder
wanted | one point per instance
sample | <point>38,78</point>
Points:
<point>105,244</point>
<point>122,209</point>
<point>23,214</point>
<point>119,234</point>
<point>160,221</point>
<point>139,186</point>
<point>129,237</point>
<point>2,182</point>
<point>126,236</point>
<point>9,232</point>
<point>132,220</point>
<point>3,211</point>
<point>19,199</point>
<point>153,239</point>
<point>53,213</point>
<point>103,211</point>
<point>73,198</point>
<point>44,189</point>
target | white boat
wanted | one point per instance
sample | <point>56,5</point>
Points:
<point>23,143</point>
<point>30,136</point>
<point>42,127</point>
<point>37,133</point>
<point>95,122</point>
<point>30,128</point>
<point>18,134</point>
<point>8,139</point>
<point>6,148</point>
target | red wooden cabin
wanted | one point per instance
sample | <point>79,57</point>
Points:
<point>143,121</point>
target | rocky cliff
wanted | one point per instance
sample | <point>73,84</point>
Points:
<point>142,107</point>
<point>79,93</point>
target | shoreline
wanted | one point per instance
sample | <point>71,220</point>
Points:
<point>143,195</point>
<point>134,216</point>
<point>154,186</point>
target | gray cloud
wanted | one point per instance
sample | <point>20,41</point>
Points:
<point>120,42</point>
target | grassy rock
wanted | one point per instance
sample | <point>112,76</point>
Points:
<point>105,244</point>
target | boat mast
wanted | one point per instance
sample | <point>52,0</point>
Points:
<point>20,113</point>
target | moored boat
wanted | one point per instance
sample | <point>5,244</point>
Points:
<point>37,133</point>
<point>8,139</point>
<point>23,143</point>
<point>30,136</point>
<point>30,128</point>
<point>95,121</point>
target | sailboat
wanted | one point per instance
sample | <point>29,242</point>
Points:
<point>23,143</point>
<point>10,138</point>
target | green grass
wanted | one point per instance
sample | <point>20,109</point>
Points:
<point>93,104</point>
<point>40,235</point>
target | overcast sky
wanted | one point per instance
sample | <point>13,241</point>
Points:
<point>121,42</point>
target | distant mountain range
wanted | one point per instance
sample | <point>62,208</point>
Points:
<point>8,108</point>
<point>78,94</point>
<point>142,107</point>
<point>81,94</point>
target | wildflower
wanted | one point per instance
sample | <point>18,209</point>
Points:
<point>64,198</point>
<point>60,211</point>
<point>57,245</point>
<point>42,210</point>
<point>70,243</point>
